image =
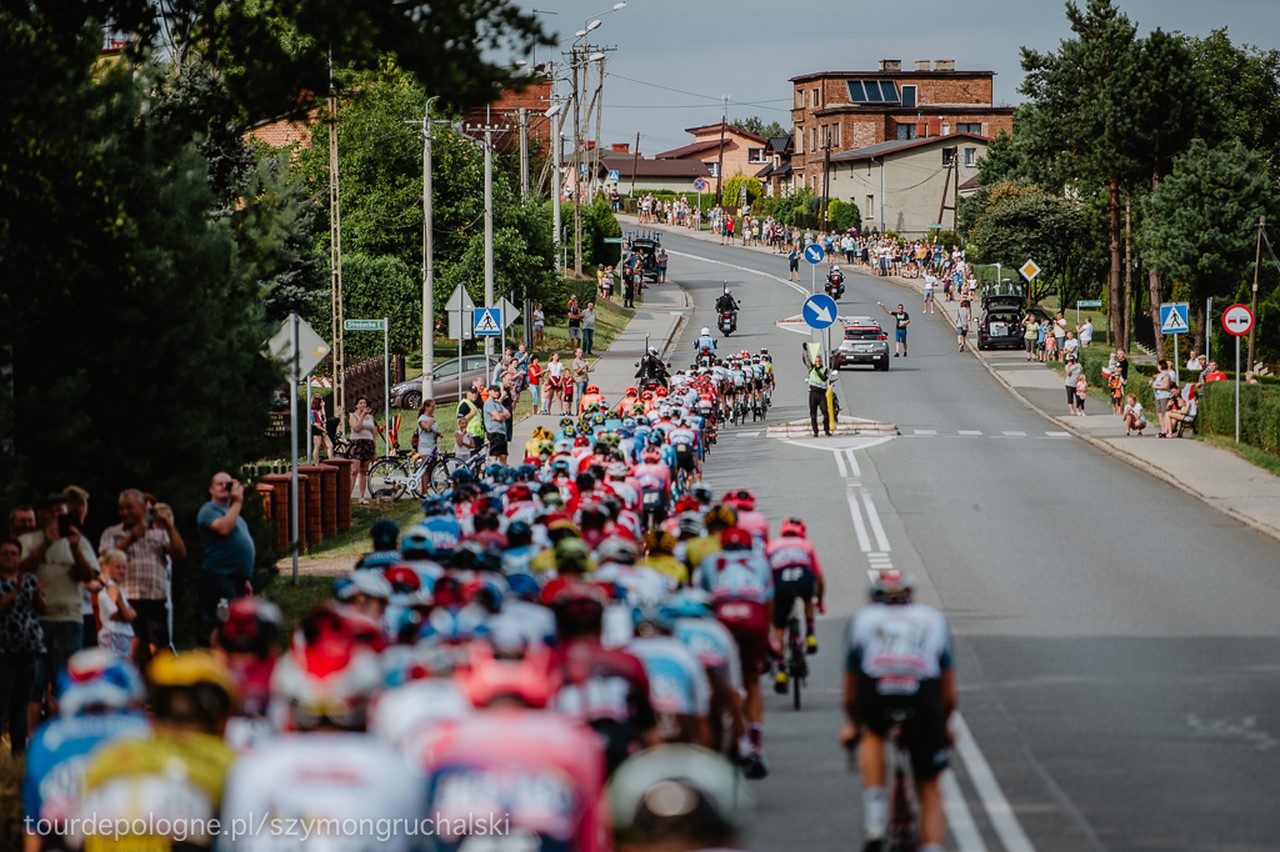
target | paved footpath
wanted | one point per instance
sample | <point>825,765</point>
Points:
<point>1217,476</point>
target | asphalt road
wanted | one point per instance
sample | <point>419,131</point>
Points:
<point>1118,642</point>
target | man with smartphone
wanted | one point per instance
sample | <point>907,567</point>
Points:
<point>148,546</point>
<point>228,550</point>
<point>62,559</point>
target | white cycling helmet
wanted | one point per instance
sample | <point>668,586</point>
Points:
<point>706,332</point>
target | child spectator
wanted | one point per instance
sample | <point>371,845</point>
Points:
<point>116,635</point>
<point>1134,421</point>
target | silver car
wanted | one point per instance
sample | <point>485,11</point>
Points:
<point>408,394</point>
<point>864,343</point>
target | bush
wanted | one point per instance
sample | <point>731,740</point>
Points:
<point>1259,413</point>
<point>732,196</point>
<point>844,215</point>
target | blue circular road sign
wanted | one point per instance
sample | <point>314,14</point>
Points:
<point>819,310</point>
<point>814,253</point>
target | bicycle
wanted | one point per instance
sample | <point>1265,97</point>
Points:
<point>392,477</point>
<point>797,661</point>
<point>903,831</point>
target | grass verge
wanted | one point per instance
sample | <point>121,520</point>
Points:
<point>1253,455</point>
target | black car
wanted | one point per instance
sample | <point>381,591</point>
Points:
<point>1001,324</point>
<point>646,248</point>
<point>408,394</point>
<point>864,343</point>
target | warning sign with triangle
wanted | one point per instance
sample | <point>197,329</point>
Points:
<point>1173,318</point>
<point>488,322</point>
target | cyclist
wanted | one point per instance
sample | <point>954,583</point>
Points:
<point>797,574</point>
<point>678,684</point>
<point>741,588</point>
<point>385,534</point>
<point>247,640</point>
<point>899,662</point>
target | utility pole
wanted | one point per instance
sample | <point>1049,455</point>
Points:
<point>724,120</point>
<point>635,164</point>
<point>596,154</point>
<point>1253,300</point>
<point>577,158</point>
<point>524,152</point>
<point>488,232</point>
<point>826,178</point>
<point>335,258</point>
<point>556,193</point>
<point>428,274</point>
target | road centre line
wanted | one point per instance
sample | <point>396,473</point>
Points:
<point>998,809</point>
<point>859,527</point>
<point>960,824</point>
<point>855,471</point>
<point>840,464</point>
<point>790,284</point>
<point>878,528</point>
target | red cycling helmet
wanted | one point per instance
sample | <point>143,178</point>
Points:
<point>403,579</point>
<point>735,538</point>
<point>528,682</point>
<point>651,457</point>
<point>743,500</point>
<point>250,625</point>
<point>661,392</point>
<point>794,527</point>
<point>687,504</point>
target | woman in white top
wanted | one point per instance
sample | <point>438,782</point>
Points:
<point>116,635</point>
<point>554,383</point>
<point>361,441</point>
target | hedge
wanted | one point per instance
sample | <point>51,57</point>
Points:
<point>1259,413</point>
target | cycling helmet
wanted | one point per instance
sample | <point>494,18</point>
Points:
<point>651,618</point>
<point>617,470</point>
<point>593,388</point>
<point>97,681</point>
<point>529,682</point>
<point>892,587</point>
<point>462,476</point>
<point>653,350</point>
<point>403,579</point>
<point>793,527</point>
<point>720,517</point>
<point>702,493</point>
<point>659,541</point>
<point>628,422</point>
<point>651,457</point>
<point>688,603</point>
<point>630,391</point>
<point>579,610</point>
<point>384,532</point>
<point>194,687</point>
<point>250,626</point>
<point>431,506</point>
<point>493,471</point>
<point>617,548</point>
<point>572,556</point>
<point>690,523</point>
<point>523,586</point>
<point>686,504</point>
<point>742,500</point>
<point>678,793</point>
<point>485,592</point>
<point>566,422</point>
<point>519,534</point>
<point>329,675</point>
<point>365,582</point>
<point>735,538</point>
<point>519,492</point>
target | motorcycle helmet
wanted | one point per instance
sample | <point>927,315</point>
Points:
<point>706,332</point>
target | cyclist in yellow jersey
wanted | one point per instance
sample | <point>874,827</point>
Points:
<point>159,794</point>
<point>699,548</point>
<point>659,547</point>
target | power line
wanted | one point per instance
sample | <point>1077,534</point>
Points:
<point>762,104</point>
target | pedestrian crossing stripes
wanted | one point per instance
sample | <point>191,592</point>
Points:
<point>977,433</point>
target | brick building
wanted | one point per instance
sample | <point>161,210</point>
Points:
<point>744,152</point>
<point>851,110</point>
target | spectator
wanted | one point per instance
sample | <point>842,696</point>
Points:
<point>228,550</point>
<point>1195,361</point>
<point>1059,333</point>
<point>360,440</point>
<point>1250,378</point>
<point>496,416</point>
<point>1115,387</point>
<point>1162,387</point>
<point>1082,392</point>
<point>575,322</point>
<point>662,260</point>
<point>62,559</point>
<point>116,636</point>
<point>1134,421</point>
<point>964,316</point>
<point>1213,374</point>
<point>535,383</point>
<point>522,359</point>
<point>1086,332</point>
<point>589,328</point>
<point>1178,410</point>
<point>539,327</point>
<point>581,373</point>
<point>22,520</point>
<point>21,642</point>
<point>78,508</point>
<point>319,429</point>
<point>1050,342</point>
<point>1030,333</point>
<point>428,433</point>
<point>470,422</point>
<point>554,383</point>
<point>162,517</point>
<point>1071,374</point>
<point>146,580</point>
<point>1071,347</point>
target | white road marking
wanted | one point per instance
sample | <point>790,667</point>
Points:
<point>744,434</point>
<point>932,433</point>
<point>791,284</point>
<point>840,465</point>
<point>960,824</point>
<point>1003,819</point>
<point>855,472</point>
<point>874,517</point>
<point>859,527</point>
<point>969,433</point>
<point>1015,434</point>
<point>1058,434</point>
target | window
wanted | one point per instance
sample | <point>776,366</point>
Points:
<point>836,136</point>
<point>908,96</point>
<point>756,155</point>
<point>971,157</point>
<point>876,92</point>
<point>802,99</point>
<point>817,96</point>
<point>870,209</point>
<point>946,129</point>
<point>799,139</point>
<point>906,131</point>
<point>972,127</point>
<point>948,156</point>
<point>713,167</point>
<point>813,139</point>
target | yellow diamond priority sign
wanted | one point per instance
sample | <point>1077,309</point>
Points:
<point>1029,270</point>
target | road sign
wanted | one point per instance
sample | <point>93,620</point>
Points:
<point>1173,318</point>
<point>363,325</point>
<point>459,308</point>
<point>613,241</point>
<point>613,175</point>
<point>487,322</point>
<point>311,347</point>
<point>510,313</point>
<point>814,253</point>
<point>1029,270</point>
<point>1237,320</point>
<point>1088,303</point>
<point>460,300</point>
<point>700,184</point>
<point>819,310</point>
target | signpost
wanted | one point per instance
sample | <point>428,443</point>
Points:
<point>613,241</point>
<point>1029,270</point>
<point>820,312</point>
<point>1237,321</point>
<point>1086,303</point>
<point>814,254</point>
<point>1173,320</point>
<point>487,322</point>
<point>700,185</point>
<point>383,325</point>
<point>297,344</point>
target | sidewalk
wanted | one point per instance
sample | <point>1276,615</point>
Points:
<point>657,322</point>
<point>1217,476</point>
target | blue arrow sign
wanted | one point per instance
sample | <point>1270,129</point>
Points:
<point>819,310</point>
<point>1173,318</point>
<point>814,254</point>
<point>488,322</point>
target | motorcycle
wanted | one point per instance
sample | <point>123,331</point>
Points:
<point>835,285</point>
<point>728,323</point>
<point>706,357</point>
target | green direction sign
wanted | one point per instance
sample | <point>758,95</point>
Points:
<point>363,325</point>
<point>615,241</point>
<point>1089,303</point>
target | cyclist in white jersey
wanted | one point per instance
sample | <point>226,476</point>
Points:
<point>899,669</point>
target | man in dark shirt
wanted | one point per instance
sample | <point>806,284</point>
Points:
<point>228,550</point>
<point>901,320</point>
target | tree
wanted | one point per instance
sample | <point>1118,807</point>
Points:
<point>1242,85</point>
<point>734,186</point>
<point>1201,221</point>
<point>844,215</point>
<point>755,124</point>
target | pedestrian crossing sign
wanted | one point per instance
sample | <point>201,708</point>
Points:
<point>1173,318</point>
<point>488,322</point>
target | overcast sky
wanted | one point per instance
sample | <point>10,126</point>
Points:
<point>749,48</point>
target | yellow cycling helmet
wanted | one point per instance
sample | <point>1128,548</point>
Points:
<point>720,517</point>
<point>193,687</point>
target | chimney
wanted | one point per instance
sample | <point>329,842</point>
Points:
<point>890,64</point>
<point>620,147</point>
<point>922,65</point>
<point>944,65</point>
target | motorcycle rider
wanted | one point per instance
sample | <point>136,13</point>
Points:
<point>835,282</point>
<point>705,341</point>
<point>652,368</point>
<point>727,304</point>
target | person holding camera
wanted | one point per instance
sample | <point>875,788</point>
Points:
<point>144,537</point>
<point>360,439</point>
<point>229,551</point>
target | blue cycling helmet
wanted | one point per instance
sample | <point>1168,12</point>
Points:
<point>650,617</point>
<point>523,586</point>
<point>687,603</point>
<point>95,680</point>
<point>493,471</point>
<point>384,532</point>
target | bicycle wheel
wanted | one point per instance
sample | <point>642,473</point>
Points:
<point>388,479</point>
<point>797,664</point>
<point>441,472</point>
<point>904,831</point>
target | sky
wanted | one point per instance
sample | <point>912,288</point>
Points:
<point>672,60</point>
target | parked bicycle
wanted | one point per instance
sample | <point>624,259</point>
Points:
<point>418,476</point>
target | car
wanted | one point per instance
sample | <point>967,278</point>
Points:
<point>408,394</point>
<point>1001,324</point>
<point>646,247</point>
<point>864,343</point>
